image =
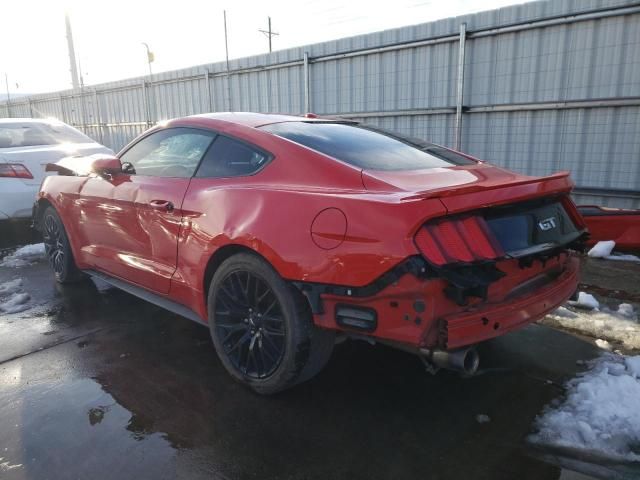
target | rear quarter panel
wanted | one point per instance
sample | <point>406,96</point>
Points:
<point>276,223</point>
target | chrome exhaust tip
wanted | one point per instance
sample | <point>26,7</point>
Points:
<point>463,360</point>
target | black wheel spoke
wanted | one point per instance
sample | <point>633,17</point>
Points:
<point>243,339</point>
<point>249,324</point>
<point>231,331</point>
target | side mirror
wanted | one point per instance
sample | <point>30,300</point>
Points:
<point>106,166</point>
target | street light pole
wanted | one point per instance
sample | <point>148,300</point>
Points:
<point>150,58</point>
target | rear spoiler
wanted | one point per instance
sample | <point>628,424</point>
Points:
<point>551,184</point>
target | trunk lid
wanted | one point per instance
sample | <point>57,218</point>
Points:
<point>467,187</point>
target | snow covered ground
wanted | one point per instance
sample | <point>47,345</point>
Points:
<point>587,316</point>
<point>600,413</point>
<point>24,256</point>
<point>13,298</point>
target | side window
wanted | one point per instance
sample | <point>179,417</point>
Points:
<point>231,158</point>
<point>174,152</point>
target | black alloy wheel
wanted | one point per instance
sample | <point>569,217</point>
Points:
<point>262,326</point>
<point>250,323</point>
<point>58,249</point>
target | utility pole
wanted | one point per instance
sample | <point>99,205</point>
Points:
<point>226,49</point>
<point>72,53</point>
<point>226,43</point>
<point>269,33</point>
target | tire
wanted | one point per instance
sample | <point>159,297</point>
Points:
<point>58,249</point>
<point>262,327</point>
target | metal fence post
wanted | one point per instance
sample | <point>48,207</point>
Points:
<point>207,80</point>
<point>83,110</point>
<point>63,110</point>
<point>228,80</point>
<point>145,102</point>
<point>30,107</point>
<point>307,98</point>
<point>460,88</point>
<point>98,112</point>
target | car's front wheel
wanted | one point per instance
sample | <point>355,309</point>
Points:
<point>262,327</point>
<point>58,249</point>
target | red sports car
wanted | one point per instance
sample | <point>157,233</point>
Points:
<point>281,232</point>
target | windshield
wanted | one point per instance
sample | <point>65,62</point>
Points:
<point>29,134</point>
<point>367,147</point>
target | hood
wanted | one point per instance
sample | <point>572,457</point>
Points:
<point>465,187</point>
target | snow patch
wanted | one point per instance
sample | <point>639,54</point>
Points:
<point>14,303</point>
<point>626,310</point>
<point>12,297</point>
<point>603,344</point>
<point>600,412</point>
<point>613,326</point>
<point>602,249</point>
<point>623,257</point>
<point>482,418</point>
<point>565,312</point>
<point>5,466</point>
<point>12,286</point>
<point>24,256</point>
<point>585,300</point>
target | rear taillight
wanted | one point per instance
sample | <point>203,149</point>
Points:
<point>463,240</point>
<point>573,212</point>
<point>14,170</point>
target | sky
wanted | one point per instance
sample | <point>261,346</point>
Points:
<point>108,34</point>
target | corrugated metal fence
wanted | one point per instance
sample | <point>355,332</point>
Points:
<point>538,87</point>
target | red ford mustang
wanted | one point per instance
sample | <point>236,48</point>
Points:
<point>280,232</point>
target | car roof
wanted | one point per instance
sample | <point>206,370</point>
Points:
<point>251,119</point>
<point>28,120</point>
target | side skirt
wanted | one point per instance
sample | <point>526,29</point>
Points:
<point>150,297</point>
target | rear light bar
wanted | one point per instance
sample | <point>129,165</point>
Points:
<point>459,240</point>
<point>14,170</point>
<point>573,212</point>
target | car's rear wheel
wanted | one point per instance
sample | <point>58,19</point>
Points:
<point>262,327</point>
<point>58,249</point>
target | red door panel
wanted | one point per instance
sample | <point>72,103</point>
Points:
<point>131,225</point>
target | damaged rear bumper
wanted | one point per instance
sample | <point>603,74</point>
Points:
<point>488,321</point>
<point>414,311</point>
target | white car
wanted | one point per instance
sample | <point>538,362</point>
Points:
<point>26,146</point>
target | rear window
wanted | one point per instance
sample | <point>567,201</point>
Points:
<point>30,134</point>
<point>367,147</point>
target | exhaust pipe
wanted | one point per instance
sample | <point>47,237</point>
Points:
<point>464,360</point>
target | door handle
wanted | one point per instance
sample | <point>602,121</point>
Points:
<point>163,205</point>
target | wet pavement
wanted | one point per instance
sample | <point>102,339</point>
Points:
<point>95,383</point>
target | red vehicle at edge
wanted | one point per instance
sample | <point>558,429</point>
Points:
<point>280,232</point>
<point>617,224</point>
